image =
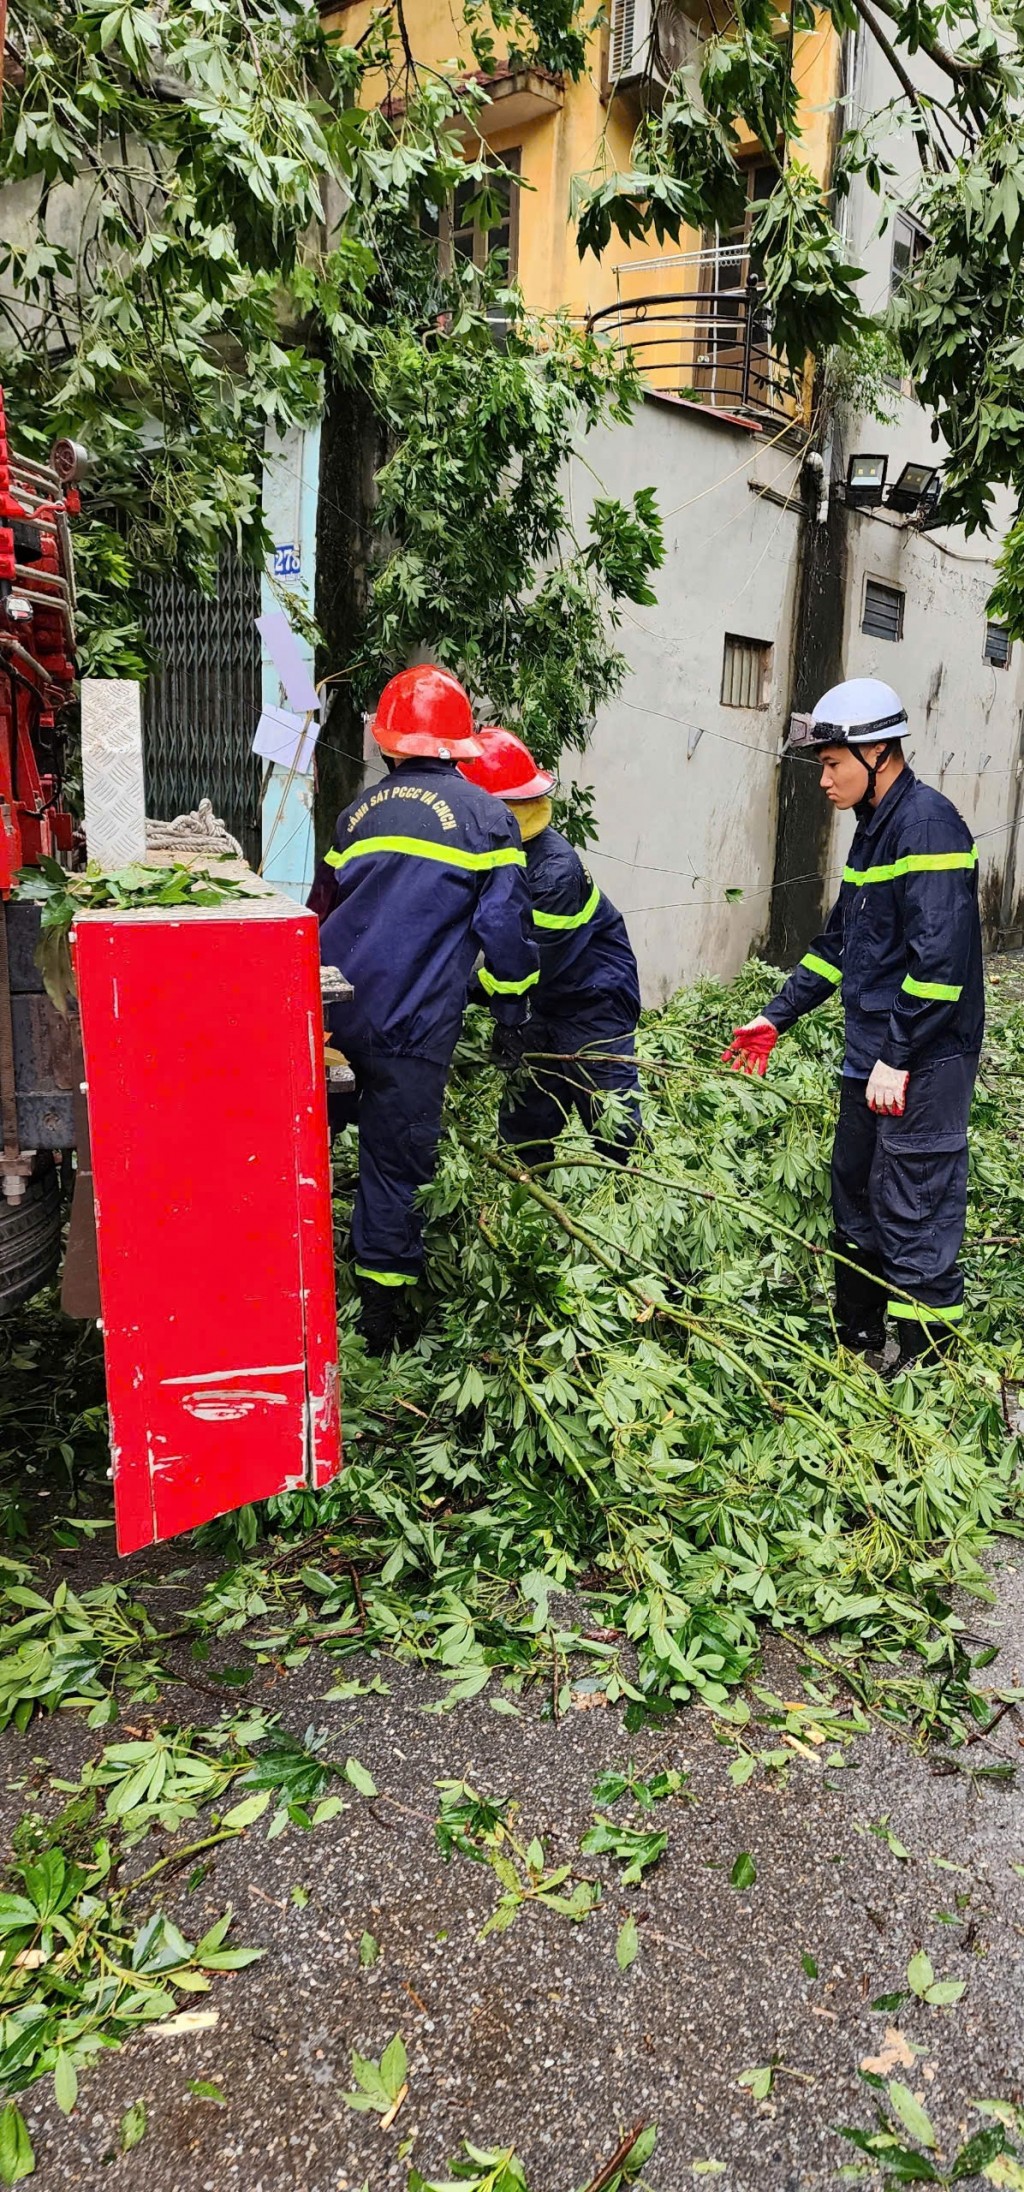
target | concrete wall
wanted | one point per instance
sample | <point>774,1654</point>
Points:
<point>965,715</point>
<point>677,833</point>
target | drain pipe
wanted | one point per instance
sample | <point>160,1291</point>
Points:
<point>819,462</point>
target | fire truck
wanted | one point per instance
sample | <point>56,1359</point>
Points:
<point>183,1090</point>
<point>37,684</point>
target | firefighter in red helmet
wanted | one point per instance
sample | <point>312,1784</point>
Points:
<point>425,874</point>
<point>577,1050</point>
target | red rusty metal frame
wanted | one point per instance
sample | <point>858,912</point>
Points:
<point>36,655</point>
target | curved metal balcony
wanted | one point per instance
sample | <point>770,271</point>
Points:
<point>710,346</point>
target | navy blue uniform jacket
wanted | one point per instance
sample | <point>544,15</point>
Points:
<point>427,871</point>
<point>587,966</point>
<point>903,938</point>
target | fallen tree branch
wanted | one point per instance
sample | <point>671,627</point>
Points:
<point>927,149</point>
<point>611,2167</point>
<point>1012,1704</point>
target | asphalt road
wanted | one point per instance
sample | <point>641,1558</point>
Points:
<point>535,2038</point>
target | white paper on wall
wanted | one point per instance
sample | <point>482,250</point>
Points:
<point>286,655</point>
<point>287,739</point>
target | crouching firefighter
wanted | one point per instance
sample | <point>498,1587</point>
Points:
<point>904,940</point>
<point>426,873</point>
<point>578,1047</point>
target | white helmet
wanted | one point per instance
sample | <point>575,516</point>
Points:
<point>858,713</point>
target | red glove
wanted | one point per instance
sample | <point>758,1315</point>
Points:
<point>751,1047</point>
<point>887,1090</point>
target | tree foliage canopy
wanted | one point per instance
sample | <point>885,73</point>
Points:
<point>204,225</point>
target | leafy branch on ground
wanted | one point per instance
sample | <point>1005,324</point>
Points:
<point>630,1390</point>
<point>63,894</point>
<point>483,1830</point>
<point>500,2169</point>
<point>79,1971</point>
<point>904,2148</point>
<point>380,2086</point>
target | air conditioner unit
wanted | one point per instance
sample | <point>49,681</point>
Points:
<point>649,38</point>
<point>629,49</point>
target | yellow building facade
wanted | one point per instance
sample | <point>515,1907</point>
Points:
<point>684,311</point>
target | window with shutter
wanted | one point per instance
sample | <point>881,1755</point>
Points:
<point>997,646</point>
<point>883,610</point>
<point>746,672</point>
<point>909,244</point>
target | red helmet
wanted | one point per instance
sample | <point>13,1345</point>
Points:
<point>425,711</point>
<point>507,768</point>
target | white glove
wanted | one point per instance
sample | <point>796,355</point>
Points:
<point>887,1089</point>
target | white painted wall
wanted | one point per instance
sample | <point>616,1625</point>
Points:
<point>959,705</point>
<point>291,481</point>
<point>965,716</point>
<point>675,834</point>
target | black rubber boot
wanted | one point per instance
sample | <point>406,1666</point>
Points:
<point>860,1298</point>
<point>922,1342</point>
<point>378,1319</point>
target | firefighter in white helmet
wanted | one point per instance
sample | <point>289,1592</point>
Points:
<point>904,941</point>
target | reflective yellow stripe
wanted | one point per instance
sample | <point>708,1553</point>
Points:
<point>926,1312</point>
<point>569,920</point>
<point>422,848</point>
<point>947,993</point>
<point>385,1278</point>
<point>494,988</point>
<point>914,863</point>
<point>821,966</point>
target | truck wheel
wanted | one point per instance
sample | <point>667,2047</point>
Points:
<point>30,1237</point>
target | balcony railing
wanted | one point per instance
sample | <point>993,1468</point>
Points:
<point>709,342</point>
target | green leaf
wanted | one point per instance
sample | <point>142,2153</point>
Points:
<point>627,1943</point>
<point>65,2083</point>
<point>328,1808</point>
<point>231,1959</point>
<point>641,2150</point>
<point>911,2114</point>
<point>369,1951</point>
<point>360,1778</point>
<point>759,2081</point>
<point>920,1974</point>
<point>133,2126</point>
<point>945,1991</point>
<point>16,2157</point>
<point>250,1808</point>
<point>1003,2170</point>
<point>903,2166</point>
<point>744,1871</point>
<point>809,1965</point>
<point>980,2153</point>
<point>394,2064</point>
<point>205,2090</point>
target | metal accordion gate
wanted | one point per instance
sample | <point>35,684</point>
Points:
<point>201,708</point>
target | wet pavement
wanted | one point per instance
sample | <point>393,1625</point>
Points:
<point>535,2038</point>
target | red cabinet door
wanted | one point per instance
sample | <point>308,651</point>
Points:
<point>203,1043</point>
